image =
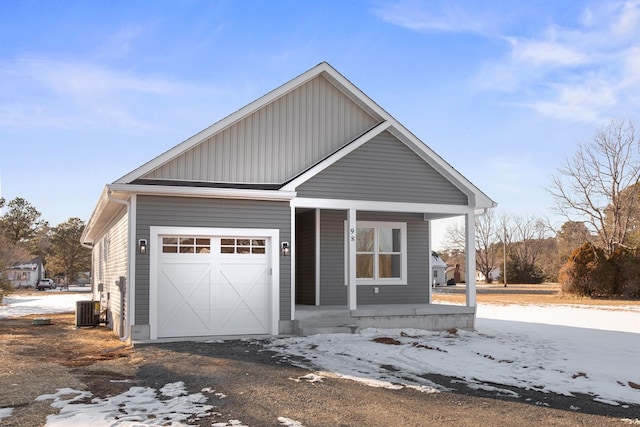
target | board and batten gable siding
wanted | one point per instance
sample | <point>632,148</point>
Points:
<point>276,142</point>
<point>332,255</point>
<point>110,255</point>
<point>383,169</point>
<point>211,213</point>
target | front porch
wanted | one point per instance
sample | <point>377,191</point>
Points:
<point>310,319</point>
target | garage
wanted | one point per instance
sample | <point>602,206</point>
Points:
<point>208,282</point>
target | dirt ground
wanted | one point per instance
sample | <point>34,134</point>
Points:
<point>257,387</point>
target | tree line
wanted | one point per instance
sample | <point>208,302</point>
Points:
<point>595,252</point>
<point>25,235</point>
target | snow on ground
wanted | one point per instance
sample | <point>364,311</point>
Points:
<point>45,302</point>
<point>557,349</point>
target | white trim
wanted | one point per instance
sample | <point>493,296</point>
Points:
<point>470,262</point>
<point>131,280</point>
<point>223,193</point>
<point>317,272</point>
<point>430,262</point>
<point>352,290</point>
<point>154,250</point>
<point>293,264</point>
<point>360,141</point>
<point>365,205</point>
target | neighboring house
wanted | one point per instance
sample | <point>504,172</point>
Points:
<point>439,268</point>
<point>307,210</point>
<point>25,274</point>
<point>456,274</point>
<point>494,274</point>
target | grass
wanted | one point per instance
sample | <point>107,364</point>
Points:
<point>546,293</point>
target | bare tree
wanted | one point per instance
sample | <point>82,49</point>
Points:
<point>486,241</point>
<point>590,185</point>
<point>526,242</point>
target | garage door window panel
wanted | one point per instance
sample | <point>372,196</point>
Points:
<point>243,246</point>
<point>186,245</point>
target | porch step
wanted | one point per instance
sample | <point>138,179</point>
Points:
<point>337,325</point>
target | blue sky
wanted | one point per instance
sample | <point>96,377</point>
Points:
<point>502,90</point>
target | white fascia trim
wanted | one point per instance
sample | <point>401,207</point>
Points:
<point>97,211</point>
<point>365,205</point>
<point>359,142</point>
<point>220,193</point>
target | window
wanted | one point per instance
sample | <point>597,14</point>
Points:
<point>381,253</point>
<point>242,245</point>
<point>186,245</point>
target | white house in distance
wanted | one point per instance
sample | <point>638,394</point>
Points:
<point>25,274</point>
<point>439,268</point>
<point>306,211</point>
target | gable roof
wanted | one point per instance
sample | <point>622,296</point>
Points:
<point>272,129</point>
<point>201,165</point>
<point>372,120</point>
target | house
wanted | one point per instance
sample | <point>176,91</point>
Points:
<point>25,274</point>
<point>494,274</point>
<point>456,274</point>
<point>438,267</point>
<point>308,210</point>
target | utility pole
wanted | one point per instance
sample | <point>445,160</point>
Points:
<point>504,254</point>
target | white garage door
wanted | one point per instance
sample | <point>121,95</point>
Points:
<point>213,285</point>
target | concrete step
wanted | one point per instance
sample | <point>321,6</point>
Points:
<point>324,326</point>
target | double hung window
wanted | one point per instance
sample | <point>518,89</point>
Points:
<point>381,253</point>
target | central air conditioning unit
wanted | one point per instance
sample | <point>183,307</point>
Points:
<point>87,313</point>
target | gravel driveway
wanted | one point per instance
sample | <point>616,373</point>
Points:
<point>259,388</point>
<point>253,386</point>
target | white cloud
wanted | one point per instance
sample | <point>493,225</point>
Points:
<point>546,53</point>
<point>432,16</point>
<point>73,94</point>
<point>628,19</point>
<point>588,72</point>
<point>88,80</point>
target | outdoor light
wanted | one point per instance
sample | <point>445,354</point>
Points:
<point>142,246</point>
<point>285,248</point>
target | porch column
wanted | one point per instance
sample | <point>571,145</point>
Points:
<point>470,251</point>
<point>352,293</point>
<point>430,263</point>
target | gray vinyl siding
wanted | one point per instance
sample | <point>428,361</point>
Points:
<point>110,254</point>
<point>383,169</point>
<point>306,258</point>
<point>332,275</point>
<point>332,263</point>
<point>216,213</point>
<point>276,142</point>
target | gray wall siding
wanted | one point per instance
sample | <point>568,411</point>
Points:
<point>276,142</point>
<point>306,258</point>
<point>218,213</point>
<point>333,290</point>
<point>383,169</point>
<point>110,254</point>
<point>332,263</point>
